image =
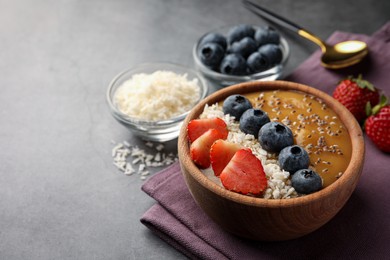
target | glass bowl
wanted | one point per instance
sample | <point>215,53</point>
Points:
<point>224,80</point>
<point>161,130</point>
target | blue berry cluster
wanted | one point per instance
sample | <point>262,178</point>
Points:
<point>244,51</point>
<point>275,137</point>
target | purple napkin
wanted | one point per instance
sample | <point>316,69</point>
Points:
<point>360,230</point>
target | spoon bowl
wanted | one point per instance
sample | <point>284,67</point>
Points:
<point>344,54</point>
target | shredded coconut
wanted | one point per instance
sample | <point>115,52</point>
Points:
<point>278,180</point>
<point>131,159</point>
<point>157,96</point>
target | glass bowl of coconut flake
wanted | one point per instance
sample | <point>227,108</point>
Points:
<point>152,99</point>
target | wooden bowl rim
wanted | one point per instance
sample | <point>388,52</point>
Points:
<point>354,129</point>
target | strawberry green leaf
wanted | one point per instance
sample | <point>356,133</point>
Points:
<point>383,100</point>
<point>362,83</point>
<point>382,103</point>
<point>368,109</point>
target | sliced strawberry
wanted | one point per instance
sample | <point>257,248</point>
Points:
<point>197,127</point>
<point>244,174</point>
<point>200,148</point>
<point>221,153</point>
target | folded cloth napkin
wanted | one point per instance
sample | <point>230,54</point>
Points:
<point>359,231</point>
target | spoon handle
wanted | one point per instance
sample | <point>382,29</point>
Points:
<point>261,11</point>
<point>272,16</point>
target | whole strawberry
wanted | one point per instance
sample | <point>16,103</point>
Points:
<point>377,125</point>
<point>354,93</point>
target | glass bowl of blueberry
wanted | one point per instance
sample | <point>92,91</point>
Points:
<point>240,53</point>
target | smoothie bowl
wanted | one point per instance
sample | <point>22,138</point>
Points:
<point>265,187</point>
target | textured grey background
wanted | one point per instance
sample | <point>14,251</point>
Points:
<point>60,195</point>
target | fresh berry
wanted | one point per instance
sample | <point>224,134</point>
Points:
<point>252,120</point>
<point>293,158</point>
<point>377,126</point>
<point>354,93</point>
<point>236,105</point>
<point>244,47</point>
<point>257,62</point>
<point>200,148</point>
<point>267,35</point>
<point>233,64</point>
<point>237,53</point>
<point>275,136</point>
<point>244,174</point>
<point>272,54</point>
<point>240,31</point>
<point>306,181</point>
<point>214,38</point>
<point>211,55</point>
<point>197,127</point>
<point>221,153</point>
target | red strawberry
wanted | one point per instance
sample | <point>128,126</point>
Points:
<point>197,127</point>
<point>354,93</point>
<point>200,148</point>
<point>221,153</point>
<point>244,174</point>
<point>377,125</point>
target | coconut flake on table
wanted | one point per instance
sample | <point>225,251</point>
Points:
<point>131,159</point>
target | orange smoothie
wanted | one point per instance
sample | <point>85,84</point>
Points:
<point>315,127</point>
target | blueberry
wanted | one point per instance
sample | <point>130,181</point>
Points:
<point>233,64</point>
<point>272,53</point>
<point>267,35</point>
<point>214,38</point>
<point>275,136</point>
<point>245,47</point>
<point>306,181</point>
<point>211,55</point>
<point>236,105</point>
<point>293,158</point>
<point>240,31</point>
<point>256,62</point>
<point>252,120</point>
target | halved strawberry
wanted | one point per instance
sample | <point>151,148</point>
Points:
<point>221,153</point>
<point>200,148</point>
<point>244,174</point>
<point>197,127</point>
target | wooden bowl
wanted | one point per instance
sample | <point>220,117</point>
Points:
<point>271,219</point>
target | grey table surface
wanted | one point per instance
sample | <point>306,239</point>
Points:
<point>60,195</point>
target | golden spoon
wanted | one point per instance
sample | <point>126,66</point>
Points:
<point>337,56</point>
